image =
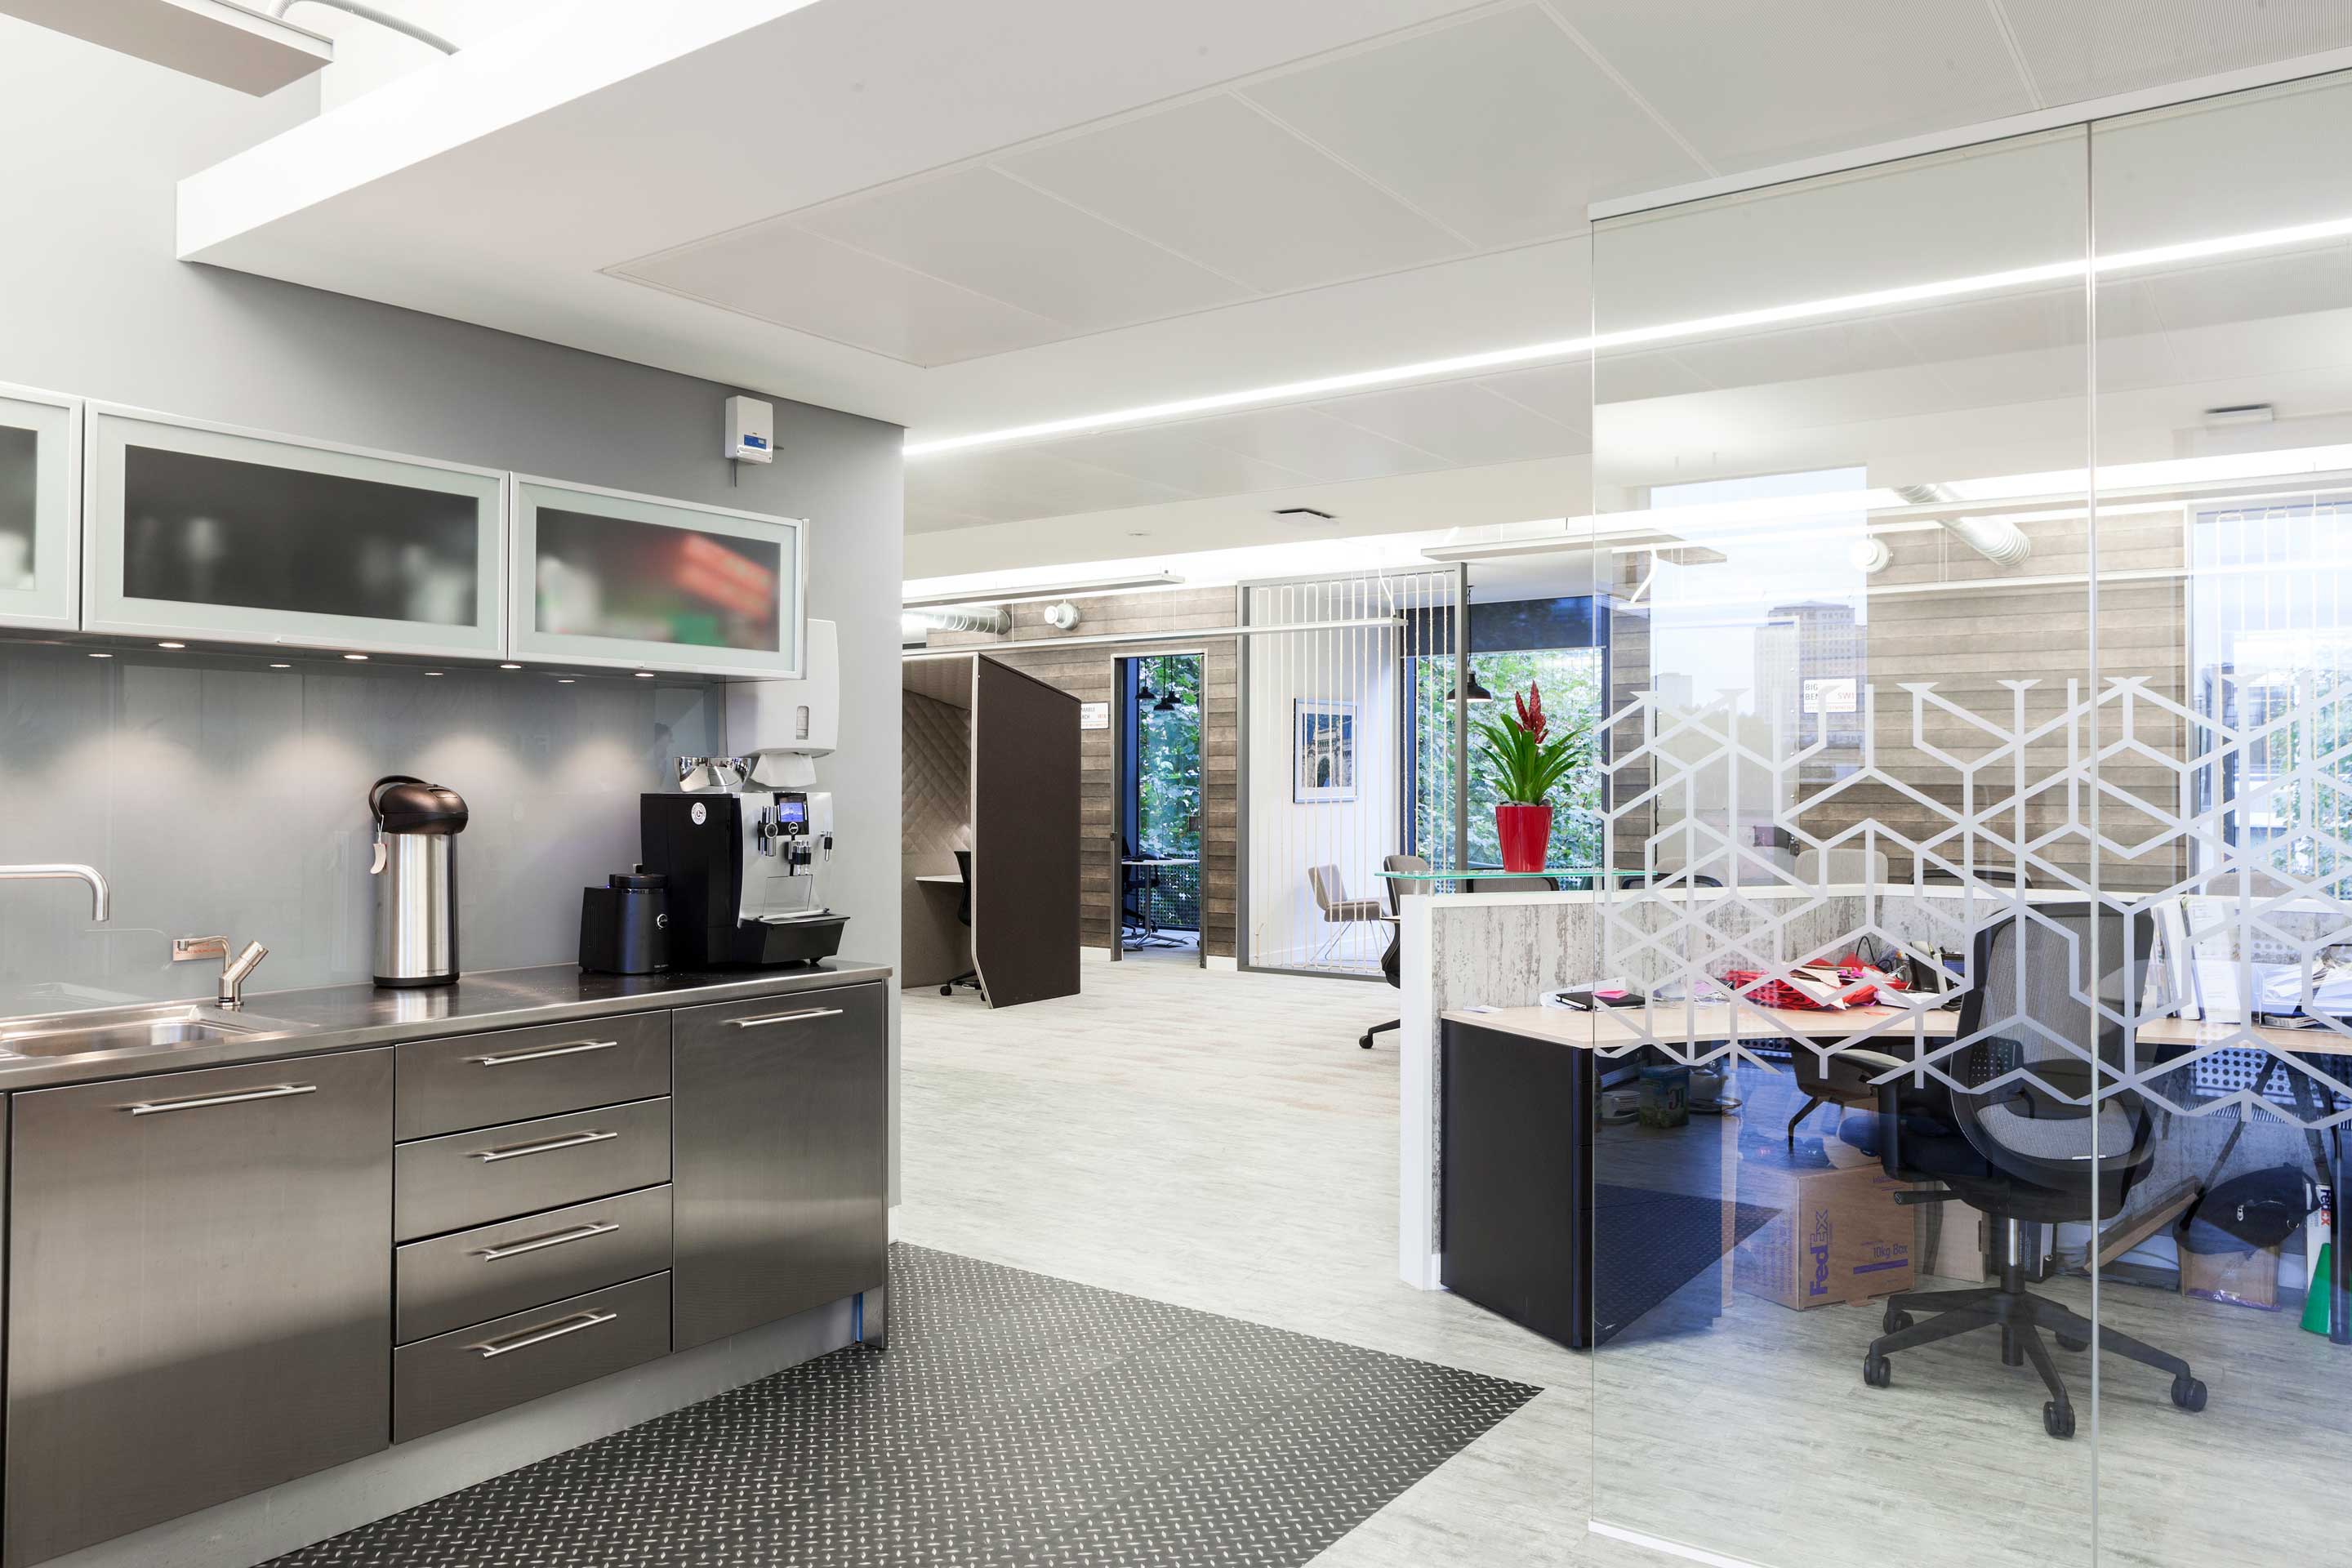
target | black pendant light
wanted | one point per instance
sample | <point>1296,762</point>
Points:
<point>1142,690</point>
<point>1478,692</point>
<point>1167,703</point>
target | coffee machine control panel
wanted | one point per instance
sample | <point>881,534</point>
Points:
<point>798,830</point>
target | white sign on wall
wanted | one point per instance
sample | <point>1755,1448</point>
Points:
<point>1094,715</point>
<point>1830,696</point>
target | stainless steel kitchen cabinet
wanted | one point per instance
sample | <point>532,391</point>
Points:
<point>40,509</point>
<point>779,1116</point>
<point>199,1291</point>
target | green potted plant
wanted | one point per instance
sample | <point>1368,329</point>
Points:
<point>1530,761</point>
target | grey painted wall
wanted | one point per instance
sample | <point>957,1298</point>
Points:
<point>92,302</point>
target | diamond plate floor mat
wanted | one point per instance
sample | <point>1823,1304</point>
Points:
<point>1015,1420</point>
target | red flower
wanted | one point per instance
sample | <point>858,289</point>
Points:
<point>1531,713</point>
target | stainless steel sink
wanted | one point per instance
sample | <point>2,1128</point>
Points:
<point>147,1029</point>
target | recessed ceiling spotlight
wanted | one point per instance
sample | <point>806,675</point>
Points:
<point>101,656</point>
<point>510,666</point>
<point>172,645</point>
<point>356,658</point>
<point>564,681</point>
<point>282,666</point>
<point>645,674</point>
<point>432,672</point>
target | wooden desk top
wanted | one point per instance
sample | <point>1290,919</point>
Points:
<point>937,880</point>
<point>1617,1028</point>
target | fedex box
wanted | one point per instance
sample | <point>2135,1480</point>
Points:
<point>1837,1235</point>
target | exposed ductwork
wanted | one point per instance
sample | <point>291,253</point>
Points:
<point>1063,616</point>
<point>1999,541</point>
<point>995,620</point>
<point>382,19</point>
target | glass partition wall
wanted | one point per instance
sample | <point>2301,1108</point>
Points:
<point>1978,634</point>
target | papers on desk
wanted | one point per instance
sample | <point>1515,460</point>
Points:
<point>2279,989</point>
<point>1592,995</point>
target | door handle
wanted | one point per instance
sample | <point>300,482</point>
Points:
<point>544,1146</point>
<point>785,1017</point>
<point>555,1238</point>
<point>574,1049</point>
<point>542,1334</point>
<point>198,1101</point>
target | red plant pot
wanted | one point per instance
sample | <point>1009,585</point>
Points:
<point>1526,833</point>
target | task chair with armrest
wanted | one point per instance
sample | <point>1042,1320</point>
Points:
<point>1389,966</point>
<point>2021,1154</point>
<point>963,912</point>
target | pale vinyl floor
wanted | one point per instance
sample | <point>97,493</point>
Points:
<point>1216,1139</point>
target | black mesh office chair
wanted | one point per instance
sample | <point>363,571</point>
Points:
<point>963,912</point>
<point>1390,968</point>
<point>2021,1153</point>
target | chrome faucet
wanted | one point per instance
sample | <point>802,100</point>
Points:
<point>97,892</point>
<point>234,971</point>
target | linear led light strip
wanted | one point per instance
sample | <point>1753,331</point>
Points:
<point>1667,332</point>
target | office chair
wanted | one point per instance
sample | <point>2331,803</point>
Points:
<point>2020,1153</point>
<point>1390,969</point>
<point>1340,911</point>
<point>963,912</point>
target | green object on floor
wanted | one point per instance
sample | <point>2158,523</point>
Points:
<point>2315,1304</point>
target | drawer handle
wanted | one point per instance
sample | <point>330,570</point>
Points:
<point>542,1334</point>
<point>544,1146</point>
<point>555,1238</point>
<point>785,1017</point>
<point>197,1103</point>
<point>573,1049</point>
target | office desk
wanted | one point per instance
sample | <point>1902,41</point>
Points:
<point>938,881</point>
<point>1615,1029</point>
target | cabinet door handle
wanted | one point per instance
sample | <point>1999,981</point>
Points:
<point>542,1334</point>
<point>785,1017</point>
<point>553,1239</point>
<point>198,1101</point>
<point>573,1049</point>
<point>544,1146</point>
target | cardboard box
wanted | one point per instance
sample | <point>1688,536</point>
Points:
<point>1960,1235</point>
<point>2240,1278</point>
<point>1839,1234</point>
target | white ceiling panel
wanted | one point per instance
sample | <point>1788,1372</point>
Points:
<point>2246,288</point>
<point>1167,455</point>
<point>780,274</point>
<point>1323,448</point>
<point>2086,48</point>
<point>979,230</point>
<point>1460,421</point>
<point>1561,392</point>
<point>1218,181</point>
<point>1501,127</point>
<point>1806,352</point>
<point>1752,84</point>
<point>1007,485</point>
<point>1632,376</point>
<point>1953,330</point>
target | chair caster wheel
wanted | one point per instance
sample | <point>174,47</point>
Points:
<point>2069,1343</point>
<point>2057,1419</point>
<point>1895,1320</point>
<point>1877,1371</point>
<point>2189,1392</point>
<point>948,990</point>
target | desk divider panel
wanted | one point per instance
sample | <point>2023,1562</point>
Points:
<point>1025,837</point>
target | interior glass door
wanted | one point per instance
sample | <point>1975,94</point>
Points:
<point>627,581</point>
<point>40,498</point>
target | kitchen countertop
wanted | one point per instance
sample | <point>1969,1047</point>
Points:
<point>341,1017</point>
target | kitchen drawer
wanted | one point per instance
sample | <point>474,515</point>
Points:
<point>476,1275</point>
<point>498,1173</point>
<point>455,1377</point>
<point>480,1080</point>
<point>837,1012</point>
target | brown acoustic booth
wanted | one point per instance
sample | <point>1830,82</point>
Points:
<point>991,769</point>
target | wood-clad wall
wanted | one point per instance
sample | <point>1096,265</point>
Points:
<point>1968,643</point>
<point>1087,672</point>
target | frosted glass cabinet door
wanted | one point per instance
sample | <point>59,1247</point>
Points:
<point>40,497</point>
<point>631,582</point>
<point>206,532</point>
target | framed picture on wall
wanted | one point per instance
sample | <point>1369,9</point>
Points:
<point>1323,740</point>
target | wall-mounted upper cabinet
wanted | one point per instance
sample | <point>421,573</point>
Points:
<point>210,534</point>
<point>603,577</point>
<point>40,497</point>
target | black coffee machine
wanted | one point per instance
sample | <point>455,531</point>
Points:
<point>745,865</point>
